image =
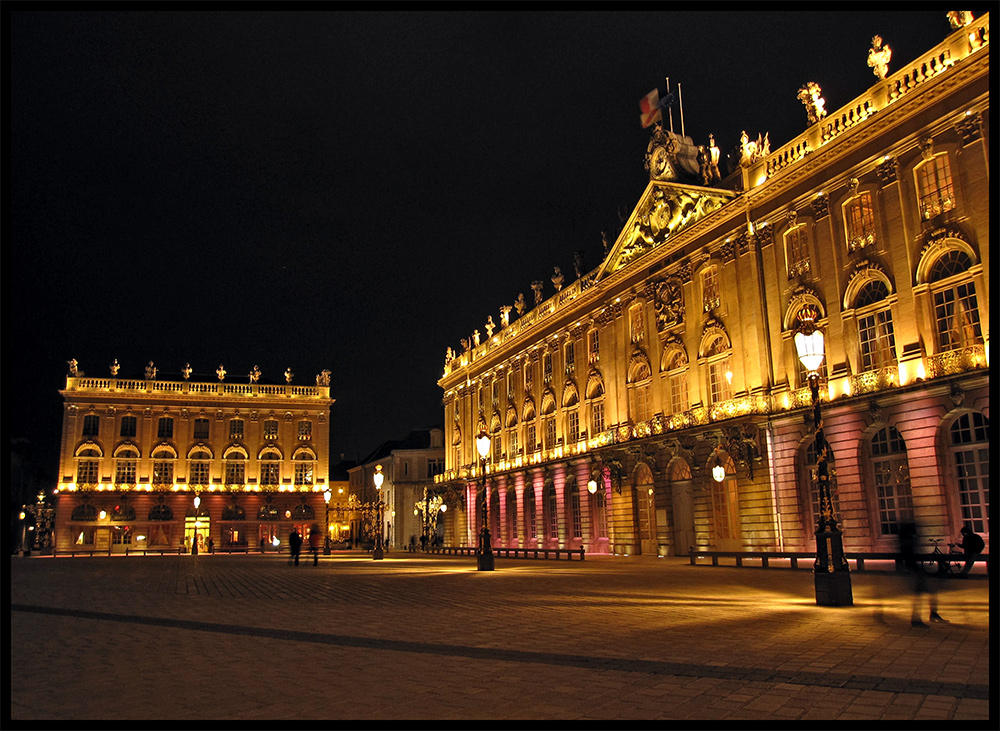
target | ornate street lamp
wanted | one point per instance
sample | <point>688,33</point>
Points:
<point>326,531</point>
<point>718,471</point>
<point>484,559</point>
<point>832,575</point>
<point>379,477</point>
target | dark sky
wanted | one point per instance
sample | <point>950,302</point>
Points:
<point>352,191</point>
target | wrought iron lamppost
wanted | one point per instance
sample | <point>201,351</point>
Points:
<point>326,532</point>
<point>832,575</point>
<point>484,559</point>
<point>379,477</point>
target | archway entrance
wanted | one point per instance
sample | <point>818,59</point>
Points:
<point>646,511</point>
<point>196,529</point>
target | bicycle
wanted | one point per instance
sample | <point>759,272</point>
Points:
<point>944,564</point>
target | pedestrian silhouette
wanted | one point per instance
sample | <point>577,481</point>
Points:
<point>924,585</point>
<point>972,545</point>
<point>295,545</point>
<point>314,538</point>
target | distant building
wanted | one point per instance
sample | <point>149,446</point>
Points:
<point>137,454</point>
<point>610,400</point>
<point>409,467</point>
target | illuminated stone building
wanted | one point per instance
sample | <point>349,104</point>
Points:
<point>408,467</point>
<point>675,356</point>
<point>154,463</point>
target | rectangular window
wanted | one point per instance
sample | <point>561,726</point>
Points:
<point>201,428</point>
<point>271,429</point>
<point>547,367</point>
<point>512,441</point>
<point>719,376</point>
<point>570,358</point>
<point>304,473</point>
<point>642,406</point>
<point>163,473</point>
<point>497,448</point>
<point>710,296</point>
<point>678,392</point>
<point>305,431</point>
<point>198,474</point>
<point>797,252</point>
<point>878,345</point>
<point>236,429</point>
<point>435,467</point>
<point>510,385</point>
<point>550,432</point>
<point>128,426</point>
<point>860,217</point>
<point>636,329</point>
<point>270,473</point>
<point>573,423</point>
<point>235,472</point>
<point>595,347</point>
<point>91,425</point>
<point>934,187</point>
<point>86,472</point>
<point>529,377</point>
<point>956,311</point>
<point>125,472</point>
<point>165,428</point>
<point>532,438</point>
<point>597,418</point>
<point>574,501</point>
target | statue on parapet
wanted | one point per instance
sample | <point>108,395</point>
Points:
<point>323,378</point>
<point>811,97</point>
<point>186,371</point>
<point>878,58</point>
<point>505,315</point>
<point>959,18</point>
<point>150,371</point>
<point>114,367</point>
<point>74,367</point>
<point>490,327</point>
<point>558,279</point>
<point>221,372</point>
<point>288,375</point>
<point>520,304</point>
<point>254,374</point>
<point>537,287</point>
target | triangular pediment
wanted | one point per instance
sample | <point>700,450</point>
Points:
<point>663,212</point>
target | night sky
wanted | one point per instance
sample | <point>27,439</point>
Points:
<point>352,191</point>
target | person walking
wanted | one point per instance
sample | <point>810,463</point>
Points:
<point>922,583</point>
<point>295,545</point>
<point>314,539</point>
<point>972,546</point>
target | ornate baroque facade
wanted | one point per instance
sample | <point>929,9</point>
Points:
<point>676,354</point>
<point>136,453</point>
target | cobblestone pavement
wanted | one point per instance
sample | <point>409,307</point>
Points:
<point>429,637</point>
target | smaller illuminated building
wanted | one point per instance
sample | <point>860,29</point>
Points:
<point>170,464</point>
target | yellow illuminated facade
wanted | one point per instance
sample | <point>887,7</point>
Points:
<point>611,402</point>
<point>159,465</point>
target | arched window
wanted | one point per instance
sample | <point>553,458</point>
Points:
<point>675,364</point>
<point>875,333</point>
<point>891,474</point>
<point>551,512</point>
<point>126,461</point>
<point>163,466</point>
<point>956,308</point>
<point>512,515</point>
<point>270,468</point>
<point>718,353</point>
<point>305,465</point>
<point>199,467</point>
<point>935,190</point>
<point>235,468</point>
<point>160,512</point>
<point>970,447</point>
<point>571,491</point>
<point>530,526</point>
<point>88,463</point>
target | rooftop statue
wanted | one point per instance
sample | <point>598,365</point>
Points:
<point>505,315</point>
<point>519,304</point>
<point>878,58</point>
<point>557,279</point>
<point>288,375</point>
<point>114,367</point>
<point>959,18</point>
<point>73,367</point>
<point>254,374</point>
<point>221,372</point>
<point>810,96</point>
<point>449,355</point>
<point>186,371</point>
<point>490,326</point>
<point>537,287</point>
<point>150,371</point>
<point>475,337</point>
<point>323,378</point>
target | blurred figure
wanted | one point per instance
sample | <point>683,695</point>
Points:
<point>923,584</point>
<point>294,545</point>
<point>972,545</point>
<point>314,539</point>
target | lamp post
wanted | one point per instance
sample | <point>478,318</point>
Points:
<point>484,559</point>
<point>379,477</point>
<point>197,524</point>
<point>326,529</point>
<point>831,574</point>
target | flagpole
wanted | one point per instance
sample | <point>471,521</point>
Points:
<point>680,103</point>
<point>670,110</point>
